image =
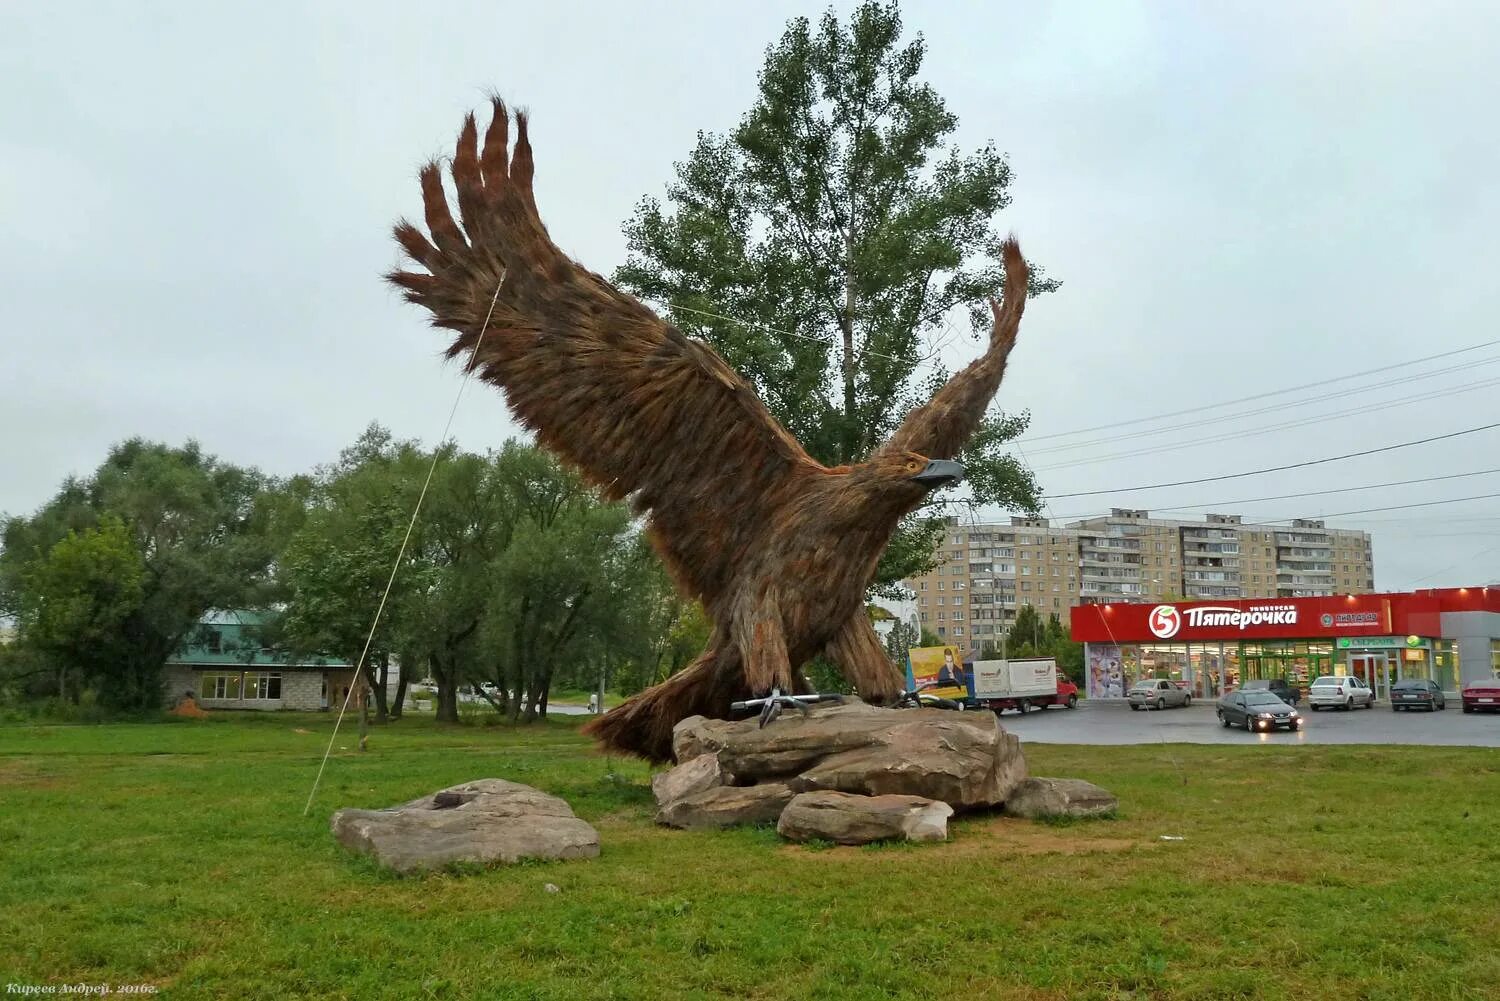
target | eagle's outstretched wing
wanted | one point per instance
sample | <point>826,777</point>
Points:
<point>941,427</point>
<point>640,409</point>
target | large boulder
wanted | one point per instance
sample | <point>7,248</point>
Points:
<point>1039,798</point>
<point>486,821</point>
<point>961,758</point>
<point>726,806</point>
<point>849,819</point>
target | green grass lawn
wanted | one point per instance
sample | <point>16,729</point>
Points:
<point>177,854</point>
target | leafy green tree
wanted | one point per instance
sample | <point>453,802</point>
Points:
<point>559,583</point>
<point>206,532</point>
<point>335,569</point>
<point>1027,636</point>
<point>823,243</point>
<point>654,631</point>
<point>73,607</point>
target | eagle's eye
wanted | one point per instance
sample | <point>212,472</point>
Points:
<point>912,465</point>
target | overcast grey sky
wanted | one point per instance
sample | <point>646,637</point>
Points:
<point>1239,197</point>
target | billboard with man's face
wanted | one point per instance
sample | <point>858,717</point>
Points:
<point>942,666</point>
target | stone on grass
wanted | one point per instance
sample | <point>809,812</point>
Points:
<point>1039,798</point>
<point>694,776</point>
<point>485,822</point>
<point>726,806</point>
<point>849,819</point>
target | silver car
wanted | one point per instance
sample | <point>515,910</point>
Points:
<point>1157,693</point>
<point>1340,691</point>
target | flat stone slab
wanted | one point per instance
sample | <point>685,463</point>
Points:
<point>849,819</point>
<point>486,821</point>
<point>726,806</point>
<point>1037,798</point>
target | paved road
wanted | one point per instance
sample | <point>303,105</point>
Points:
<point>1101,723</point>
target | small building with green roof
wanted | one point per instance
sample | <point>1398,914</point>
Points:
<point>225,665</point>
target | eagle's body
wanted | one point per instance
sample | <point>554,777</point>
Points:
<point>778,548</point>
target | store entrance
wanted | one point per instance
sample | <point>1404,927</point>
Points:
<point>1373,669</point>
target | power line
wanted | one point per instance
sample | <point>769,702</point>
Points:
<point>1299,422</point>
<point>1188,508</point>
<point>1278,469</point>
<point>1177,446</point>
<point>1266,395</point>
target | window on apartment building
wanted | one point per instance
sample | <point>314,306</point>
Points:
<point>219,685</point>
<point>1026,571</point>
<point>1056,588</point>
<point>940,585</point>
<point>1026,585</point>
<point>942,630</point>
<point>924,616</point>
<point>260,685</point>
<point>958,630</point>
<point>942,616</point>
<point>958,616</point>
<point>942,601</point>
<point>924,585</point>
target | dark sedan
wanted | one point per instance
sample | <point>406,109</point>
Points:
<point>1257,711</point>
<point>1276,686</point>
<point>1417,693</point>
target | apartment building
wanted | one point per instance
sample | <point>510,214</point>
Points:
<point>986,572</point>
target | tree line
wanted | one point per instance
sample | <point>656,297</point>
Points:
<point>515,576</point>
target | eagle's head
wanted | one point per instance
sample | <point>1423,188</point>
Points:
<point>890,485</point>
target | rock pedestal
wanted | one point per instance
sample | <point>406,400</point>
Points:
<point>486,821</point>
<point>858,773</point>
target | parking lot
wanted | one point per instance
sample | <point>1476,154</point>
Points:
<point>1114,723</point>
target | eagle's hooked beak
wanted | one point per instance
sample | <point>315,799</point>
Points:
<point>940,473</point>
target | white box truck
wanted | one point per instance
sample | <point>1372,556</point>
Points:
<point>1020,684</point>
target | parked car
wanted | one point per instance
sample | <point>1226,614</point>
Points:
<point>1157,693</point>
<point>1276,686</point>
<point>1339,691</point>
<point>1257,710</point>
<point>1481,696</point>
<point>1417,693</point>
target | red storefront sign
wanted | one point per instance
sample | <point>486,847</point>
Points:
<point>1262,618</point>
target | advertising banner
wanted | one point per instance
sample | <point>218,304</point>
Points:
<point>1265,618</point>
<point>941,665</point>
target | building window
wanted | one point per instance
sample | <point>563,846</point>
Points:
<point>958,630</point>
<point>220,685</point>
<point>942,601</point>
<point>259,685</point>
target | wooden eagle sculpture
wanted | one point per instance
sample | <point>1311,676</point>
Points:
<point>777,547</point>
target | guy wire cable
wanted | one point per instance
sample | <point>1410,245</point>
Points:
<point>401,553</point>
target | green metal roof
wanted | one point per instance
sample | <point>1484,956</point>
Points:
<point>227,639</point>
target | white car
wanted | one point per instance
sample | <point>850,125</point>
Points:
<point>1340,691</point>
